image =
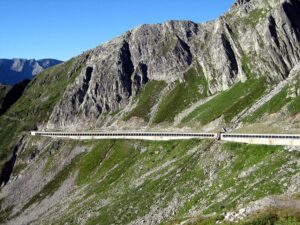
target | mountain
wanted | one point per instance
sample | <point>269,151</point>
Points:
<point>239,72</point>
<point>261,42</point>
<point>15,70</point>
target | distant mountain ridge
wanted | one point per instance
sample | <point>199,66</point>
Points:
<point>15,70</point>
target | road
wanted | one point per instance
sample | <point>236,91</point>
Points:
<point>266,139</point>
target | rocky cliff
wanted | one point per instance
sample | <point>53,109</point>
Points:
<point>15,70</point>
<point>254,39</point>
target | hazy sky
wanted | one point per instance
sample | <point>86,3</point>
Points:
<point>65,28</point>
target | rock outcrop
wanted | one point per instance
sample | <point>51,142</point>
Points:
<point>255,38</point>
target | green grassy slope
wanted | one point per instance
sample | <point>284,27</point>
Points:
<point>270,216</point>
<point>228,103</point>
<point>135,177</point>
<point>272,106</point>
<point>4,89</point>
<point>182,95</point>
<point>285,102</point>
<point>35,106</point>
<point>294,106</point>
<point>146,100</point>
<point>121,181</point>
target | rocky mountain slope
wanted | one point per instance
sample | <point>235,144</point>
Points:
<point>4,89</point>
<point>261,41</point>
<point>10,94</point>
<point>240,71</point>
<point>13,71</point>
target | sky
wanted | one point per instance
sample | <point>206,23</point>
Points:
<point>62,29</point>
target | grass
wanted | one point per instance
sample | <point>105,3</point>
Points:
<point>269,216</point>
<point>130,177</point>
<point>228,103</point>
<point>50,188</point>
<point>8,135</point>
<point>146,100</point>
<point>249,155</point>
<point>294,106</point>
<point>35,102</point>
<point>4,89</point>
<point>273,217</point>
<point>144,196</point>
<point>90,162</point>
<point>5,214</point>
<point>272,106</point>
<point>196,221</point>
<point>35,106</point>
<point>18,168</point>
<point>114,165</point>
<point>267,161</point>
<point>48,166</point>
<point>246,67</point>
<point>182,95</point>
<point>169,45</point>
<point>254,16</point>
<point>257,185</point>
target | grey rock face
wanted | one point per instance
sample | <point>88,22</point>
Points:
<point>262,34</point>
<point>13,71</point>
